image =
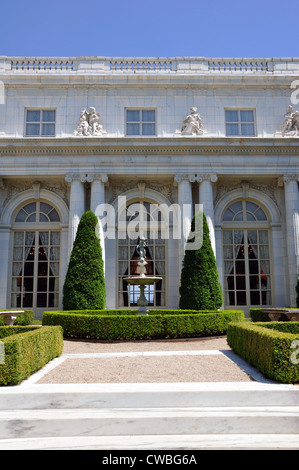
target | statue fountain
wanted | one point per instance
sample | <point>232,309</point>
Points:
<point>142,279</point>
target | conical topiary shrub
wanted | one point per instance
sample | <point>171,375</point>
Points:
<point>200,288</point>
<point>84,286</point>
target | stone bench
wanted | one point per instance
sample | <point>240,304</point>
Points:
<point>10,315</point>
<point>274,313</point>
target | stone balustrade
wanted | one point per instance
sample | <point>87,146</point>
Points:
<point>142,65</point>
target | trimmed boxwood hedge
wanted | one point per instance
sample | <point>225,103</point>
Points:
<point>268,347</point>
<point>112,325</point>
<point>26,350</point>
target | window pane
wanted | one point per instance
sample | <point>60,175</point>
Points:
<point>148,116</point>
<point>31,218</point>
<point>231,116</point>
<point>29,208</point>
<point>228,237</point>
<point>236,206</point>
<point>247,129</point>
<point>228,215</point>
<point>45,207</point>
<point>232,129</point>
<point>260,215</point>
<point>148,129</point>
<point>263,236</point>
<point>250,206</point>
<point>246,116</point>
<point>133,129</point>
<point>21,217</point>
<point>33,116</point>
<point>49,116</point>
<point>53,216</point>
<point>48,129</point>
<point>133,115</point>
<point>55,238</point>
<point>32,129</point>
<point>239,216</point>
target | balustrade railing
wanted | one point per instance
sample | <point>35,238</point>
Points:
<point>238,65</point>
<point>143,65</point>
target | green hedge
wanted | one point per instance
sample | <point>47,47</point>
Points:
<point>269,347</point>
<point>111,326</point>
<point>26,350</point>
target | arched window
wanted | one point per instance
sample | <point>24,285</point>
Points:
<point>246,255</point>
<point>128,237</point>
<point>36,257</point>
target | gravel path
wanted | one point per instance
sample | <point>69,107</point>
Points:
<point>184,360</point>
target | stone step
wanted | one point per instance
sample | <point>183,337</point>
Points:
<point>16,424</point>
<point>186,442</point>
<point>76,396</point>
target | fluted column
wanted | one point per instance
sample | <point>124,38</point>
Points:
<point>292,228</point>
<point>77,206</point>
<point>206,198</point>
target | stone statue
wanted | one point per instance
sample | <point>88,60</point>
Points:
<point>192,125</point>
<point>89,123</point>
<point>140,248</point>
<point>291,122</point>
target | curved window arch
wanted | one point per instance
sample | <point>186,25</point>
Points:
<point>35,272</point>
<point>37,212</point>
<point>246,254</point>
<point>141,219</point>
<point>244,211</point>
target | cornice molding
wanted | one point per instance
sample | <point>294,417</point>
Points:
<point>156,146</point>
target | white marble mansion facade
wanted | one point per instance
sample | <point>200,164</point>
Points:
<point>76,133</point>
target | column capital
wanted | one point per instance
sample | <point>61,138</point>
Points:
<point>86,178</point>
<point>285,179</point>
<point>212,177</point>
<point>191,178</point>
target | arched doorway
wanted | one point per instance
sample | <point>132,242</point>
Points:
<point>246,239</point>
<point>35,268</point>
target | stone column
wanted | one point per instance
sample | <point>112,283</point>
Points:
<point>292,229</point>
<point>185,216</point>
<point>206,198</point>
<point>97,195</point>
<point>77,206</point>
<point>4,265</point>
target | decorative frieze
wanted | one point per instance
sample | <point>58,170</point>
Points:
<point>118,188</point>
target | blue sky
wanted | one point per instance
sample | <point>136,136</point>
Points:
<point>165,28</point>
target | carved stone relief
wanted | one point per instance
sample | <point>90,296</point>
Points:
<point>13,188</point>
<point>269,188</point>
<point>290,127</point>
<point>192,124</point>
<point>89,124</point>
<point>118,188</point>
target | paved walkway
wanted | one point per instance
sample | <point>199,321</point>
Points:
<point>165,361</point>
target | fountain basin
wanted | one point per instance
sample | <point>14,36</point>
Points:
<point>142,280</point>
